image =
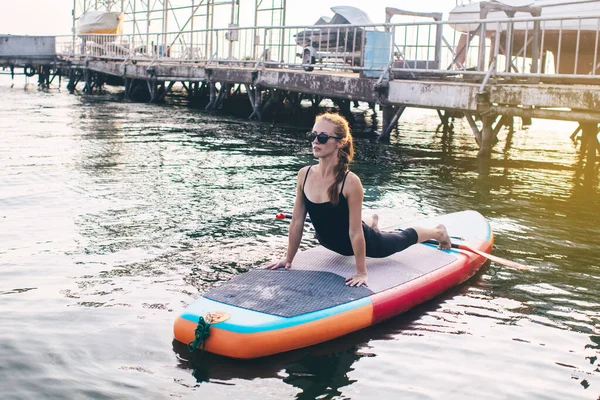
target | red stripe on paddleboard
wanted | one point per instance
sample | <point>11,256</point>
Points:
<point>399,299</point>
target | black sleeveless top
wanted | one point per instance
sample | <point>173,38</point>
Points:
<point>332,226</point>
<point>331,222</point>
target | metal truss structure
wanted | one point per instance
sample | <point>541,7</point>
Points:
<point>144,17</point>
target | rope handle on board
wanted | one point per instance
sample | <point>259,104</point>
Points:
<point>202,332</point>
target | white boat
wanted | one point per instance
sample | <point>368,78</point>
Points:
<point>326,38</point>
<point>100,22</point>
<point>570,35</point>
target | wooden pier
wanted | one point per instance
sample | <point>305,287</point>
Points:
<point>492,105</point>
<point>487,95</point>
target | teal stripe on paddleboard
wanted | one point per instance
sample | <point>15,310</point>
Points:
<point>248,321</point>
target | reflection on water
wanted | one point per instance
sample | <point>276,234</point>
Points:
<point>117,215</point>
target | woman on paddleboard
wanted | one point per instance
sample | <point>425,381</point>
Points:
<point>333,195</point>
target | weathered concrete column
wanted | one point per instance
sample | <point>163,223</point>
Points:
<point>152,89</point>
<point>508,121</point>
<point>275,98</point>
<point>187,86</point>
<point>295,100</point>
<point>574,136</point>
<point>344,106</point>
<point>87,88</point>
<point>487,136</point>
<point>44,76</point>
<point>390,115</point>
<point>255,100</point>
<point>212,97</point>
<point>476,132</point>
<point>223,94</point>
<point>257,103</point>
<point>164,90</point>
<point>589,140</point>
<point>316,101</point>
<point>72,81</point>
<point>444,117</point>
<point>128,84</point>
<point>387,113</point>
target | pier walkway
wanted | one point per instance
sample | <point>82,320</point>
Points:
<point>488,71</point>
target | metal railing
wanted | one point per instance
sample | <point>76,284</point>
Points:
<point>518,47</point>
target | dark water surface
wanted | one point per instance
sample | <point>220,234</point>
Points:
<point>114,216</point>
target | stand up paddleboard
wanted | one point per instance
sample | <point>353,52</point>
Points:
<point>264,312</point>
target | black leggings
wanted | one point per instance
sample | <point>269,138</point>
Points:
<point>383,244</point>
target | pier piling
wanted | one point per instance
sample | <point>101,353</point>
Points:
<point>489,74</point>
<point>589,141</point>
<point>487,135</point>
<point>390,114</point>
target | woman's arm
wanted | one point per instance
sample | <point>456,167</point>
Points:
<point>353,191</point>
<point>296,226</point>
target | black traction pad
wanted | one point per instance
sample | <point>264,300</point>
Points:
<point>286,293</point>
<point>316,280</point>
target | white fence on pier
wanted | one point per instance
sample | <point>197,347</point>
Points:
<point>542,47</point>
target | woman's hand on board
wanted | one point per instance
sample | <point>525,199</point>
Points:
<point>357,280</point>
<point>283,263</point>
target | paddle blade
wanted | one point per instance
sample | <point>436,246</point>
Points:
<point>496,259</point>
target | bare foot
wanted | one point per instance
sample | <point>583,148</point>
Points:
<point>443,238</point>
<point>375,222</point>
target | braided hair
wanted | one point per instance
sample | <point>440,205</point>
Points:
<point>345,154</point>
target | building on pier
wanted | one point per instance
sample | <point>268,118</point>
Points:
<point>510,62</point>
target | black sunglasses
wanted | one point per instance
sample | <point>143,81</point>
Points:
<point>322,137</point>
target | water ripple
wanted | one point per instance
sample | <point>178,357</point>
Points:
<point>116,215</point>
